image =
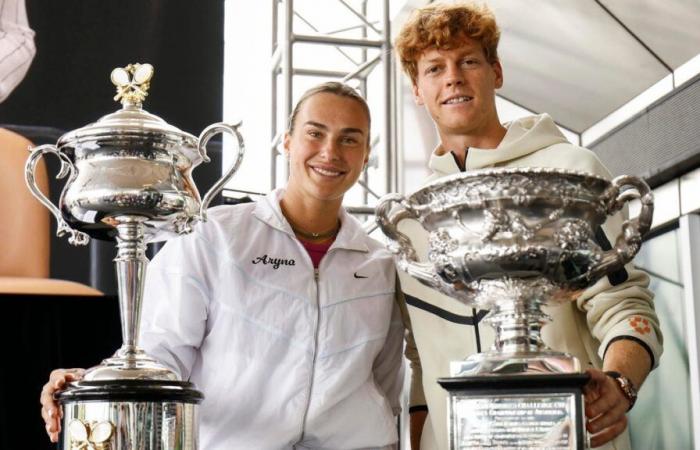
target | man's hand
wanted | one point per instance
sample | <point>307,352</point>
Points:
<point>50,410</point>
<point>606,406</point>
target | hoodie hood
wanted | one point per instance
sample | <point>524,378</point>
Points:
<point>523,137</point>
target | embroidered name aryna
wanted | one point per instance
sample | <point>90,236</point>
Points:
<point>276,262</point>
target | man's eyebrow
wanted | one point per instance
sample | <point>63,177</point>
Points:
<point>352,130</point>
<point>441,58</point>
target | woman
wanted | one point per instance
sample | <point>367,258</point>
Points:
<point>282,312</point>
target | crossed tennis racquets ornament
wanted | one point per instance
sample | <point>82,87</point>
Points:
<point>132,83</point>
<point>90,436</point>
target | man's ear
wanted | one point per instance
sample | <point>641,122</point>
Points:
<point>417,96</point>
<point>498,70</point>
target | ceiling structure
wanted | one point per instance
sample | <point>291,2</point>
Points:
<point>581,60</point>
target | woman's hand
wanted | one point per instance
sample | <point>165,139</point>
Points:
<point>50,410</point>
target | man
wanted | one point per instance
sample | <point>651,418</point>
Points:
<point>450,54</point>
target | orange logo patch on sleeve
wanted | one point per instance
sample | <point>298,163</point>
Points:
<point>640,324</point>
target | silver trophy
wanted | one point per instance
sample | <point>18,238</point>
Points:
<point>511,241</point>
<point>130,180</point>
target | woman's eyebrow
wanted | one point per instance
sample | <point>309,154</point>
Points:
<point>325,127</point>
<point>316,124</point>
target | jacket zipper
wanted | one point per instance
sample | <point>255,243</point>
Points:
<point>313,358</point>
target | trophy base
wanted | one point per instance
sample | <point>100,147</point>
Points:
<point>129,414</point>
<point>517,411</point>
<point>498,363</point>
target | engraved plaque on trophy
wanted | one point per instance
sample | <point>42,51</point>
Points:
<point>130,180</point>
<point>511,241</point>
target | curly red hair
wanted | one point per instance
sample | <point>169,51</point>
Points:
<point>446,26</point>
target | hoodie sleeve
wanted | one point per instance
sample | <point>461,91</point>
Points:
<point>389,367</point>
<point>416,400</point>
<point>620,305</point>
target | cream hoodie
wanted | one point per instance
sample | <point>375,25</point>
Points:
<point>442,329</point>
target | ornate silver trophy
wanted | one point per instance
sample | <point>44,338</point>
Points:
<point>130,179</point>
<point>511,241</point>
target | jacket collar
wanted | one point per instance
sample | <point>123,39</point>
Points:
<point>350,237</point>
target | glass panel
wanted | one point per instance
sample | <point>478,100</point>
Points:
<point>648,428</point>
<point>660,258</point>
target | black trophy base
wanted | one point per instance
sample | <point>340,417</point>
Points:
<point>131,391</point>
<point>517,411</point>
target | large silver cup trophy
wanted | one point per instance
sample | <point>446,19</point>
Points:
<point>511,241</point>
<point>130,179</point>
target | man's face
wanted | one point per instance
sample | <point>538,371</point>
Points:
<point>328,147</point>
<point>458,88</point>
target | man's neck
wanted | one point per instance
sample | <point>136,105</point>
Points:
<point>459,144</point>
<point>309,215</point>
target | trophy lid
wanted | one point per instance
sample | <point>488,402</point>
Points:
<point>132,83</point>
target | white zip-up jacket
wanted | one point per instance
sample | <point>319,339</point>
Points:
<point>286,357</point>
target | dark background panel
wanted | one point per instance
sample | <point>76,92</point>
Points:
<point>43,333</point>
<point>78,43</point>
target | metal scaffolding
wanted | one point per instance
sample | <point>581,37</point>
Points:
<point>370,39</point>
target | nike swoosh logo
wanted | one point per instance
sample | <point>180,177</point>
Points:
<point>359,276</point>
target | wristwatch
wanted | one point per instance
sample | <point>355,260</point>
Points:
<point>626,386</point>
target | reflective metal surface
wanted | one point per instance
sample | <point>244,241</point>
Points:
<point>511,241</point>
<point>518,422</point>
<point>131,163</point>
<point>130,180</point>
<point>120,424</point>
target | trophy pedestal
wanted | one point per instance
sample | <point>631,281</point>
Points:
<point>516,411</point>
<point>129,415</point>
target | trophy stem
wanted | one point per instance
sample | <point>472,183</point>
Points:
<point>517,319</point>
<point>131,263</point>
<point>518,326</point>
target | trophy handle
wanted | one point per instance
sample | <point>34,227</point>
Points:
<point>67,167</point>
<point>207,134</point>
<point>401,245</point>
<point>630,239</point>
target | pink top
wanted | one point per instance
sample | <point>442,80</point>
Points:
<point>316,251</point>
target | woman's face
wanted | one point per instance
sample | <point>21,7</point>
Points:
<point>328,147</point>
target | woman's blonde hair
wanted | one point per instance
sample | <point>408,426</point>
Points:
<point>336,88</point>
